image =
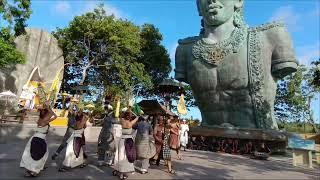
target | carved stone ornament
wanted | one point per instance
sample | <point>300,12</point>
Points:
<point>214,53</point>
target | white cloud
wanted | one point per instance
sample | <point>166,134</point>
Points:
<point>61,8</point>
<point>289,16</point>
<point>172,51</point>
<point>90,5</point>
<point>316,12</point>
<point>309,53</point>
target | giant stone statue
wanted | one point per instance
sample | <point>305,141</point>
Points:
<point>232,69</point>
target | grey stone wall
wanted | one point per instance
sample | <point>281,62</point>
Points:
<point>41,50</point>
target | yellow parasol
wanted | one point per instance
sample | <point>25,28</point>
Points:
<point>64,94</point>
<point>74,100</point>
<point>89,106</point>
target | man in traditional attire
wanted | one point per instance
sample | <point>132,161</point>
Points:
<point>74,153</point>
<point>106,140</point>
<point>144,146</point>
<point>184,129</point>
<point>71,125</point>
<point>36,152</point>
<point>158,135</point>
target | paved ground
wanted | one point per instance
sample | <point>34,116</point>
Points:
<point>196,165</point>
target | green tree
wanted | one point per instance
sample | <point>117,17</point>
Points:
<point>294,96</point>
<point>112,54</point>
<point>316,74</point>
<point>14,16</point>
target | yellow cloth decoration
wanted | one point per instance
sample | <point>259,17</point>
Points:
<point>182,109</point>
<point>117,113</point>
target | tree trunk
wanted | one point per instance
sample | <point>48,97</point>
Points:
<point>84,72</point>
<point>310,118</point>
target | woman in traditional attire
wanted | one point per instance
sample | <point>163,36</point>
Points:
<point>162,141</point>
<point>174,136</point>
<point>184,129</point>
<point>144,146</point>
<point>228,146</point>
<point>36,151</point>
<point>249,148</point>
<point>75,152</point>
<point>235,149</point>
<point>166,151</point>
<point>106,140</point>
<point>158,134</point>
<point>125,154</point>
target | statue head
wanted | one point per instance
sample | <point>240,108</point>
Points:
<point>217,12</point>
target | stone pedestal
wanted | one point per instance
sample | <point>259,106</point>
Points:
<point>275,139</point>
<point>301,157</point>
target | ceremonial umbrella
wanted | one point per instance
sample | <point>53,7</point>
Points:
<point>168,89</point>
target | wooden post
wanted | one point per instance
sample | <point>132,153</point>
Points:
<point>310,159</point>
<point>294,162</point>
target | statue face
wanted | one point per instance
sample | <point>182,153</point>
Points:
<point>217,12</point>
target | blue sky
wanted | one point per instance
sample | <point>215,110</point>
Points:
<point>179,18</point>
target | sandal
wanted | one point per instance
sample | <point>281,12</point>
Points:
<point>62,169</point>
<point>83,165</point>
<point>172,171</point>
<point>27,174</point>
<point>123,176</point>
<point>30,174</point>
<point>114,172</point>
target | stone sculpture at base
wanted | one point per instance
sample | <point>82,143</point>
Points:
<point>232,69</point>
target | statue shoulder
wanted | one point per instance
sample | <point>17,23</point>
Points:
<point>188,40</point>
<point>268,26</point>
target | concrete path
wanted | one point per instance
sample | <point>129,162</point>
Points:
<point>196,165</point>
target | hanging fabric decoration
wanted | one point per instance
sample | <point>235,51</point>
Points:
<point>55,87</point>
<point>117,113</point>
<point>182,109</point>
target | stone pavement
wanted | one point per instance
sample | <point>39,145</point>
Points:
<point>196,165</point>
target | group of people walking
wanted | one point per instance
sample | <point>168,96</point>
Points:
<point>127,143</point>
<point>133,142</point>
<point>36,151</point>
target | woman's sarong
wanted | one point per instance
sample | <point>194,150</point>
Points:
<point>74,152</point>
<point>36,152</point>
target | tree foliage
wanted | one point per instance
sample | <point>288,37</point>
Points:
<point>113,54</point>
<point>155,57</point>
<point>294,96</point>
<point>316,74</point>
<point>14,16</point>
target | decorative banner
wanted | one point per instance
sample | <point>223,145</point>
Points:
<point>182,109</point>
